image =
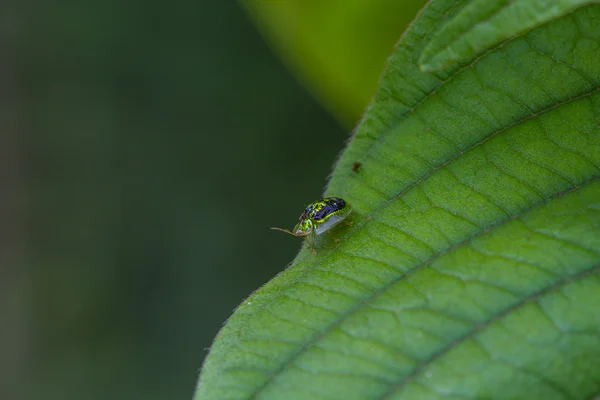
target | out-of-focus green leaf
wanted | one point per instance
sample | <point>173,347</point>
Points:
<point>483,24</point>
<point>337,48</point>
<point>472,269</point>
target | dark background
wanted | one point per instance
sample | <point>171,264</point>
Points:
<point>145,150</point>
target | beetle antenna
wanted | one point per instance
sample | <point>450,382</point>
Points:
<point>285,230</point>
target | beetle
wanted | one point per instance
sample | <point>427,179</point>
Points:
<point>318,217</point>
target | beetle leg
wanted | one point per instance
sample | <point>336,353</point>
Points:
<point>333,237</point>
<point>311,242</point>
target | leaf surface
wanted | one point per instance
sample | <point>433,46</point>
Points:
<point>472,269</point>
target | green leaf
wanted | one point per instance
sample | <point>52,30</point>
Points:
<point>472,269</point>
<point>483,24</point>
<point>337,48</point>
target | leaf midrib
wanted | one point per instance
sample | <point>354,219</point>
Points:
<point>361,303</point>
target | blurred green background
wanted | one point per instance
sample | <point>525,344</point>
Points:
<point>146,150</point>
